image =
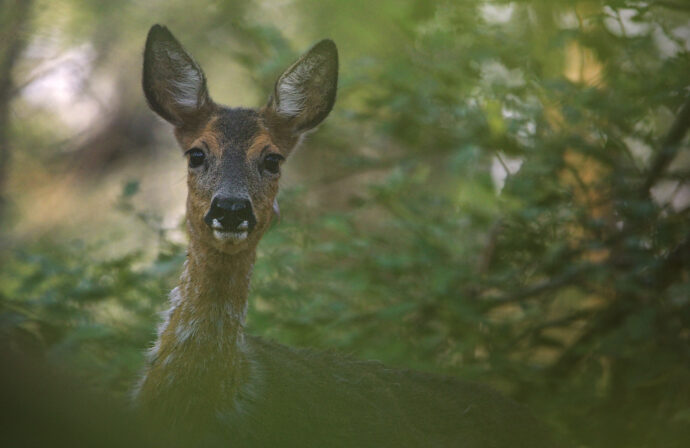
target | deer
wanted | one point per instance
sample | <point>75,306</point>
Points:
<point>205,375</point>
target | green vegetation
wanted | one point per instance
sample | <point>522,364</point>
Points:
<point>567,285</point>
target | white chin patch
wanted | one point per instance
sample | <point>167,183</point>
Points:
<point>232,237</point>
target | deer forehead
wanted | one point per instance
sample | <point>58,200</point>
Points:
<point>230,130</point>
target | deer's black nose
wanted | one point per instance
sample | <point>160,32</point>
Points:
<point>230,215</point>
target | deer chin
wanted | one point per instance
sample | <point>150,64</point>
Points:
<point>231,242</point>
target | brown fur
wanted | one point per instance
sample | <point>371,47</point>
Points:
<point>200,357</point>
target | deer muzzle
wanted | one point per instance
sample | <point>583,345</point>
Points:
<point>230,218</point>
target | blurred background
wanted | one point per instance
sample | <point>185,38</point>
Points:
<point>501,193</point>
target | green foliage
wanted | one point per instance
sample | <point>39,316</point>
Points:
<point>568,287</point>
<point>93,315</point>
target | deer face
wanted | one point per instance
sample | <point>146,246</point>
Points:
<point>233,171</point>
<point>234,155</point>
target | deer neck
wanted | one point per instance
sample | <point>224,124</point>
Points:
<point>213,289</point>
<point>201,340</point>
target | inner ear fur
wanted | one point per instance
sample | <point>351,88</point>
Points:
<point>174,84</point>
<point>305,93</point>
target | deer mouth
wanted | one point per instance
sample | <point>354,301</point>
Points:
<point>236,235</point>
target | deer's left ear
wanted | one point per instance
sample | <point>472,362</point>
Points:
<point>304,94</point>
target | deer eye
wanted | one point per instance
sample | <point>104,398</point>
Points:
<point>196,157</point>
<point>271,163</point>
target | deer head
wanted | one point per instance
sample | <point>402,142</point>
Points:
<point>235,154</point>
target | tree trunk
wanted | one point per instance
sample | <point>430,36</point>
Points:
<point>15,14</point>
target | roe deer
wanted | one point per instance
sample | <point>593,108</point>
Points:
<point>205,375</point>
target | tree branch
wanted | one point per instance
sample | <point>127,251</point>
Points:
<point>677,6</point>
<point>669,148</point>
<point>550,284</point>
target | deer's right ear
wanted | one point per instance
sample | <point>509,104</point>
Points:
<point>174,84</point>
